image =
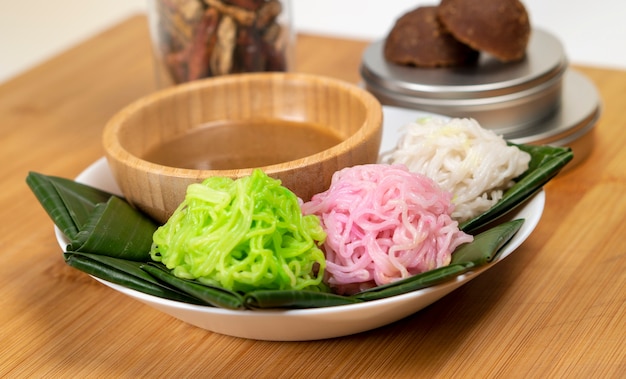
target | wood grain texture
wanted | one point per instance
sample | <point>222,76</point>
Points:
<point>554,308</point>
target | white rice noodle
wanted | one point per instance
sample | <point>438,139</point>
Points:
<point>474,164</point>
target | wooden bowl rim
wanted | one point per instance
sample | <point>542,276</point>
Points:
<point>371,126</point>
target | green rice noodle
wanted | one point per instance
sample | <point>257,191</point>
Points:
<point>242,235</point>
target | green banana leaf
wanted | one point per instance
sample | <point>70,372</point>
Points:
<point>68,203</point>
<point>294,299</point>
<point>94,221</point>
<point>215,296</point>
<point>486,245</point>
<point>128,233</point>
<point>125,273</point>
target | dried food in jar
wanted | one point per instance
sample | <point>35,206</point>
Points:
<point>201,38</point>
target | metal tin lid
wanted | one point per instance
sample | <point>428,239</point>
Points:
<point>503,96</point>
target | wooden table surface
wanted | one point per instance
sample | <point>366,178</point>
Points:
<point>555,308</point>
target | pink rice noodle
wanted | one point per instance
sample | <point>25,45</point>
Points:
<point>384,223</point>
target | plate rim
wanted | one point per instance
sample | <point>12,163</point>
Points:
<point>314,323</point>
<point>96,170</point>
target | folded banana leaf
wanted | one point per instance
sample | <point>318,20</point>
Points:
<point>215,296</point>
<point>294,299</point>
<point>94,221</point>
<point>125,273</point>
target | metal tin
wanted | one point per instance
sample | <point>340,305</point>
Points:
<point>573,122</point>
<point>538,100</point>
<point>506,97</point>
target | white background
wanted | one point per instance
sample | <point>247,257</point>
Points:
<point>593,32</point>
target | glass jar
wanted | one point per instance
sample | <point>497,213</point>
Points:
<point>194,39</point>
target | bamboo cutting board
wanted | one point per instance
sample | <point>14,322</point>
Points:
<point>555,308</point>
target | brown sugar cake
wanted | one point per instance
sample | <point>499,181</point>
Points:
<point>498,27</point>
<point>418,39</point>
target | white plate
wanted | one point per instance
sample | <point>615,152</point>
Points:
<point>318,323</point>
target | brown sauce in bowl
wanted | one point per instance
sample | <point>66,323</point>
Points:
<point>225,145</point>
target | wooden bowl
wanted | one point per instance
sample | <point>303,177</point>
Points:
<point>298,128</point>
